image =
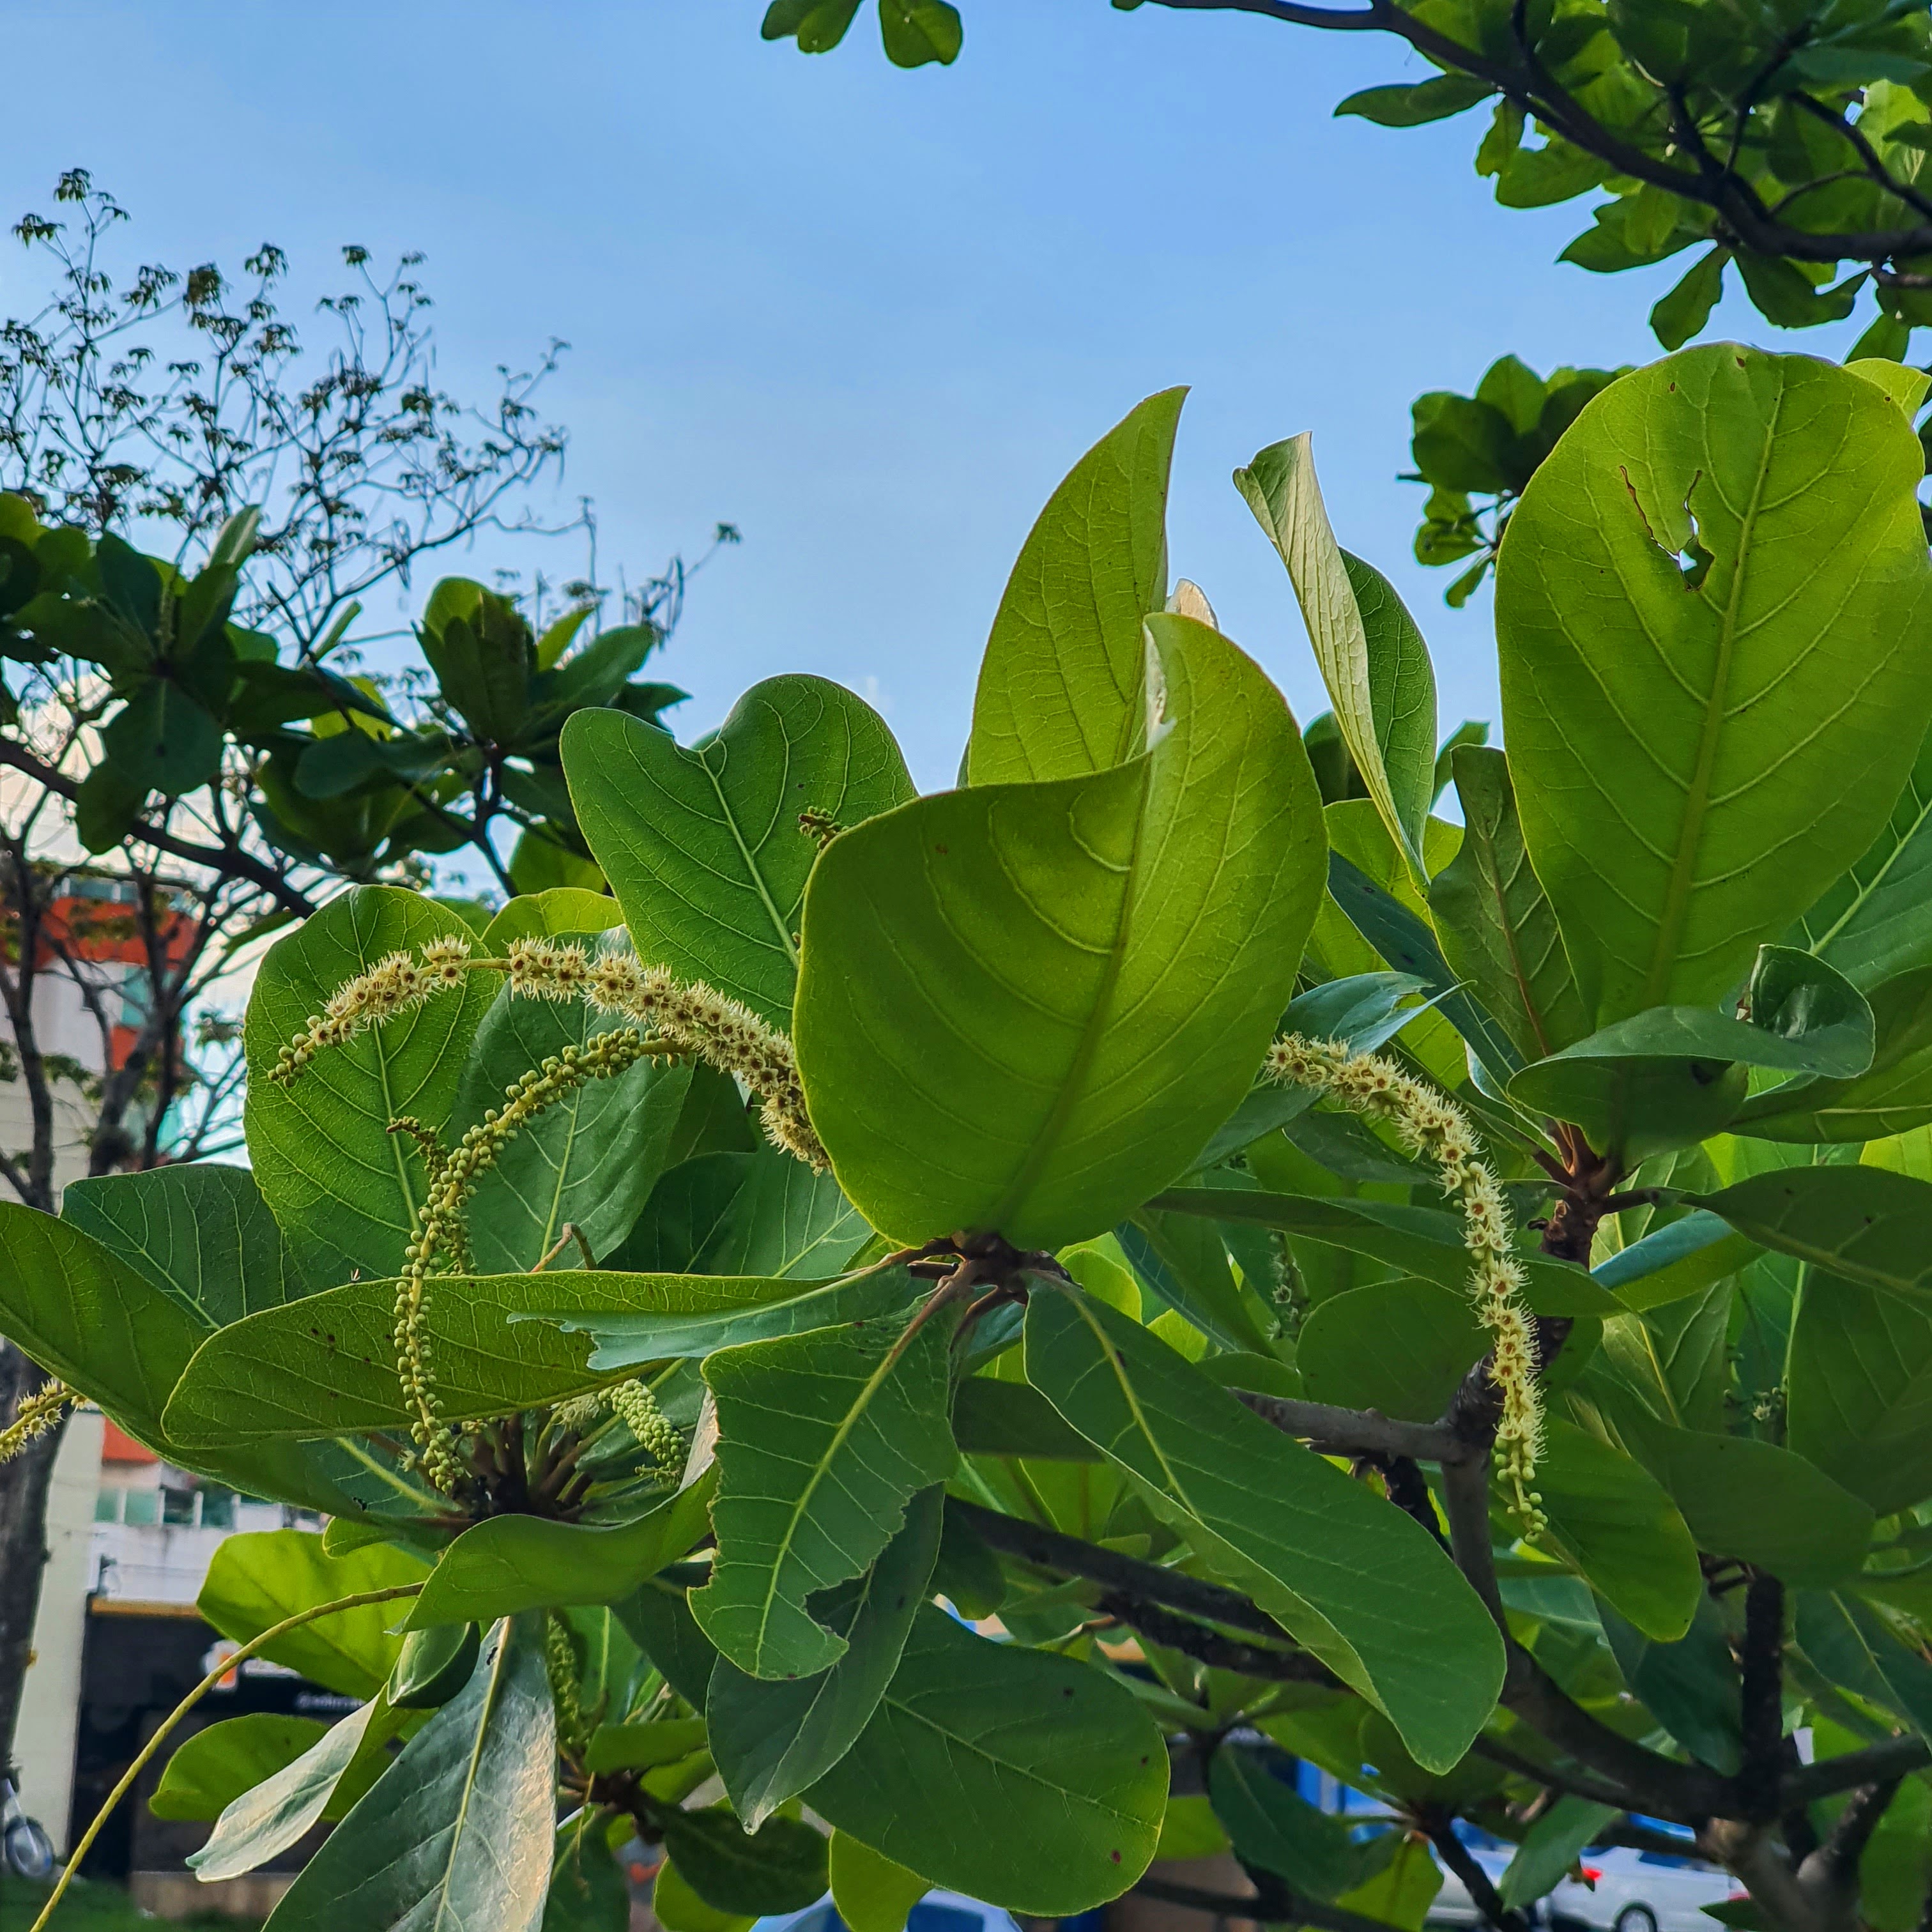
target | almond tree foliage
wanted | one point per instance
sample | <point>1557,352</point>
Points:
<point>190,727</point>
<point>1784,139</point>
<point>1449,1302</point>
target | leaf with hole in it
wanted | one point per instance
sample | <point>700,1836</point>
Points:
<point>257,1579</point>
<point>1493,919</point>
<point>345,1189</point>
<point>1616,1523</point>
<point>263,1821</point>
<point>1401,1347</point>
<point>460,1830</point>
<point>588,1161</point>
<point>1362,1586</point>
<point>1062,686</point>
<point>1718,578</point>
<point>702,844</point>
<point>1062,1775</point>
<point>201,1233</point>
<point>823,1439</point>
<point>1859,1392</point>
<point>508,1564</point>
<point>1372,658</point>
<point>773,1740</point>
<point>1026,1007</point>
<point>758,1213</point>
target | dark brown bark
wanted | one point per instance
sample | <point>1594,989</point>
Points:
<point>24,1484</point>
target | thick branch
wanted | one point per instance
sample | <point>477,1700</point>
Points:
<point>1456,1855</point>
<point>230,861</point>
<point>1209,1647</point>
<point>1896,1757</point>
<point>1577,1784</point>
<point>1835,1864</point>
<point>1761,1710</point>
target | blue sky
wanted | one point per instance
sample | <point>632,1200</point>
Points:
<point>869,316</point>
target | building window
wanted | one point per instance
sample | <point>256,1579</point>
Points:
<point>142,1507</point>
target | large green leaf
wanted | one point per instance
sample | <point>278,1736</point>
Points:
<point>257,1579</point>
<point>702,844</point>
<point>327,1365</point>
<point>1758,1503</point>
<point>588,1160</point>
<point>1361,1585</point>
<point>509,1564</point>
<point>1852,1645</point>
<point>1619,1525</point>
<point>1634,1107</point>
<point>872,1893</point>
<point>1867,1224</point>
<point>1422,1241</point>
<point>1184,1261</point>
<point>1372,658</point>
<point>1678,1259</point>
<point>1062,684</point>
<point>266,1820</point>
<point>344,1189</point>
<point>773,1740</point>
<point>201,1233</point>
<point>1689,1686</point>
<point>1550,1847</point>
<point>1713,612</point>
<point>1493,919</point>
<point>1272,1825</point>
<point>1401,1347</point>
<point>779,1868</point>
<point>1858,1390</point>
<point>1026,1007</point>
<point>761,1214</point>
<point>207,1771</point>
<point>458,1832</point>
<point>1892,1095</point>
<point>1873,922</point>
<point>1062,1777</point>
<point>824,1438</point>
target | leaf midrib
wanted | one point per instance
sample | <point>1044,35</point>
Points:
<point>730,819</point>
<point>1677,892</point>
<point>498,1664</point>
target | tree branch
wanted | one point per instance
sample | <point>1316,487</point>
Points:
<point>1578,1784</point>
<point>1896,1757</point>
<point>1353,1431</point>
<point>1835,1865</point>
<point>1286,1908</point>
<point>1440,1826</point>
<point>1210,1648</point>
<point>1761,1706</point>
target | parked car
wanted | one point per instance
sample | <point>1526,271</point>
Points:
<point>1624,1890</point>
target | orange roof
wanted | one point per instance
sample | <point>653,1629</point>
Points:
<point>117,1446</point>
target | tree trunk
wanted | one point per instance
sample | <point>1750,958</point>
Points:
<point>24,1483</point>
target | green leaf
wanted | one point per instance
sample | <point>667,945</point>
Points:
<point>483,655</point>
<point>780,1868</point>
<point>588,1891</point>
<point>206,1772</point>
<point>1417,105</point>
<point>1683,311</point>
<point>1867,1224</point>
<point>823,1439</point>
<point>1893,1095</point>
<point>1852,1645</point>
<point>1551,1846</point>
<point>761,1214</point>
<point>871,1893</point>
<point>658,1617</point>
<point>740,1312</point>
<point>509,1564</point>
<point>916,32</point>
<point>162,739</point>
<point>644,1747</point>
<point>1773,683</point>
<point>1062,690</point>
<point>1782,294</point>
<point>995,1417</point>
<point>1875,920</point>
<point>1616,1522</point>
<point>1401,1347</point>
<point>1273,1827</point>
<point>327,1365</point>
<point>1027,1007</point>
<point>1493,919</point>
<point>257,1579</point>
<point>702,844</point>
<point>1422,1241</point>
<point>818,24</point>
<point>459,1831</point>
<point>1361,1585</point>
<point>1372,656</point>
<point>773,1740</point>
<point>1758,1503</point>
<point>589,1160</point>
<point>1676,1260</point>
<point>344,1189</point>
<point>1690,1687</point>
<point>1858,1390</point>
<point>432,1664</point>
<point>263,1821</point>
<point>1633,1107</point>
<point>1063,1777</point>
<point>1183,1259</point>
<point>202,1233</point>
